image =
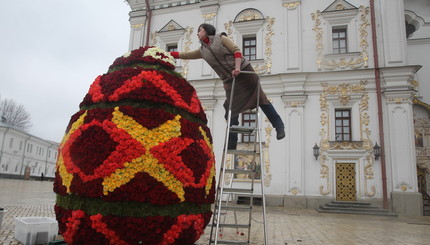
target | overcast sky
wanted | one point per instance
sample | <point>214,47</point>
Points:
<point>52,50</point>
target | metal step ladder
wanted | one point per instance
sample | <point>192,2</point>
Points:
<point>226,192</point>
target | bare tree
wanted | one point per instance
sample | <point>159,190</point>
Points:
<point>14,114</point>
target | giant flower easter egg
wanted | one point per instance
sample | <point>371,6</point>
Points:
<point>136,164</point>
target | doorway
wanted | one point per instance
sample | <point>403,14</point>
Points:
<point>345,182</point>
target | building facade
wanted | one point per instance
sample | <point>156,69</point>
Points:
<point>346,77</point>
<point>24,156</point>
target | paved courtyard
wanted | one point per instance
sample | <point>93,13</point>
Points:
<point>286,226</point>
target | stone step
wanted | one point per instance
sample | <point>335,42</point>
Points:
<point>364,208</point>
<point>378,212</point>
<point>346,203</point>
<point>351,205</point>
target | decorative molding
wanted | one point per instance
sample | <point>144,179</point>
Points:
<point>324,174</point>
<point>137,26</point>
<point>188,42</point>
<point>339,5</point>
<point>228,29</point>
<point>346,92</point>
<point>295,191</point>
<point>154,38</point>
<point>347,60</point>
<point>266,155</point>
<point>248,15</point>
<point>266,68</point>
<point>291,5</point>
<point>209,16</point>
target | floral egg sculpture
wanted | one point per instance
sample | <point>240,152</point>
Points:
<point>136,164</point>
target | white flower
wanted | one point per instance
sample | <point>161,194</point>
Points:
<point>153,53</point>
<point>126,54</point>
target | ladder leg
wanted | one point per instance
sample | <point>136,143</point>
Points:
<point>221,224</point>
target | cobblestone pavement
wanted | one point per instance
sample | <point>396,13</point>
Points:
<point>21,198</point>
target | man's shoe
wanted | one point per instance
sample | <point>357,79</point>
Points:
<point>280,133</point>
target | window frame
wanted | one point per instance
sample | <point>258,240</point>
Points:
<point>338,30</point>
<point>342,125</point>
<point>245,48</point>
<point>172,47</point>
<point>248,122</point>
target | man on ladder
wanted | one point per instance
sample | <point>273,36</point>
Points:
<point>241,83</point>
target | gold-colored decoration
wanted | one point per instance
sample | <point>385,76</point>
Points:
<point>416,101</point>
<point>404,187</point>
<point>267,66</point>
<point>188,42</point>
<point>137,26</point>
<point>342,63</point>
<point>340,6</point>
<point>415,83</point>
<point>325,174</point>
<point>368,174</point>
<point>345,182</point>
<point>209,16</point>
<point>154,38</point>
<point>249,15</point>
<point>345,92</point>
<point>266,156</point>
<point>171,27</point>
<point>228,29</point>
<point>363,34</point>
<point>228,177</point>
<point>295,191</point>
<point>422,136</point>
<point>399,100</point>
<point>346,145</point>
<point>294,104</point>
<point>292,5</point>
<point>318,37</point>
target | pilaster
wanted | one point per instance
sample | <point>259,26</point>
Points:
<point>292,28</point>
<point>394,36</point>
<point>137,25</point>
<point>294,127</point>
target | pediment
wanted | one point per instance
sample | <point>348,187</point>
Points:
<point>339,5</point>
<point>171,26</point>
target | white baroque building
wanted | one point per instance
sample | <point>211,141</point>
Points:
<point>344,75</point>
<point>25,156</point>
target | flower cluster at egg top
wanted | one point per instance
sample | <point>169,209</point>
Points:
<point>138,151</point>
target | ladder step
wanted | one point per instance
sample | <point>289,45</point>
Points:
<point>236,208</point>
<point>237,191</point>
<point>241,152</point>
<point>242,129</point>
<point>236,226</point>
<point>230,242</point>
<point>240,171</point>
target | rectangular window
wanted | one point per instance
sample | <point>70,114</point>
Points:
<point>339,37</point>
<point>248,120</point>
<point>343,124</point>
<point>20,145</point>
<point>29,147</point>
<point>11,143</point>
<point>250,48</point>
<point>172,47</point>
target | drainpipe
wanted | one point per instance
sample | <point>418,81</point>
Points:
<point>149,16</point>
<point>379,99</point>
